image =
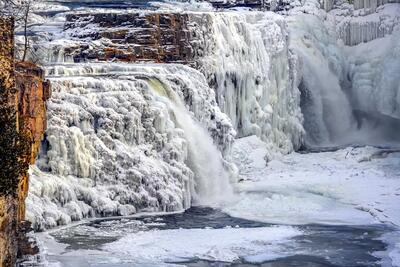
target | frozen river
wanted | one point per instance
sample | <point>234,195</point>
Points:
<point>313,209</point>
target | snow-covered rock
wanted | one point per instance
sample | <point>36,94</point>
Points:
<point>117,143</point>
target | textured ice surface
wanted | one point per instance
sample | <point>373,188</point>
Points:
<point>244,56</point>
<point>247,60</point>
<point>375,75</point>
<point>163,248</point>
<point>355,27</point>
<point>348,94</point>
<point>116,143</point>
<point>392,254</point>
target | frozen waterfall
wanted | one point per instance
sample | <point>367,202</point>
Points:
<point>247,60</point>
<point>349,69</point>
<point>116,146</point>
<point>125,138</point>
<point>327,110</point>
<point>211,183</point>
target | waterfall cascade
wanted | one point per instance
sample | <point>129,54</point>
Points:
<point>211,184</point>
<point>135,137</point>
<point>244,56</point>
<point>349,72</point>
<point>115,146</point>
<point>326,108</point>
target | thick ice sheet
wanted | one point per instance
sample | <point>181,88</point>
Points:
<point>229,244</point>
<point>355,186</point>
<point>349,186</point>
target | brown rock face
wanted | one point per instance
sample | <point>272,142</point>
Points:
<point>23,93</point>
<point>8,229</point>
<point>8,201</point>
<point>33,91</point>
<point>132,37</point>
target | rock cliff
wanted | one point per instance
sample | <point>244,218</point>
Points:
<point>130,37</point>
<point>23,93</point>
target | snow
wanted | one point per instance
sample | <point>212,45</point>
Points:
<point>125,138</point>
<point>228,245</point>
<point>348,186</point>
<point>182,6</point>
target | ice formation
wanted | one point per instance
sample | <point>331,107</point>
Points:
<point>245,58</point>
<point>121,139</point>
<point>124,138</point>
<point>360,26</point>
<point>349,71</point>
<point>248,61</point>
<point>326,108</point>
<point>375,75</point>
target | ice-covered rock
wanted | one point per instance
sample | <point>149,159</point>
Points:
<point>116,143</point>
<point>248,62</point>
<point>375,75</point>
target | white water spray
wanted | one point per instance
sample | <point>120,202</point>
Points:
<point>211,184</point>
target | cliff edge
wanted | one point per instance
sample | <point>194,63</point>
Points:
<point>23,95</point>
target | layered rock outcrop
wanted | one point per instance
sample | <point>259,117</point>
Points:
<point>130,37</point>
<point>23,93</point>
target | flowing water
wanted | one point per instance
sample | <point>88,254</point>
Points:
<point>319,245</point>
<point>205,160</point>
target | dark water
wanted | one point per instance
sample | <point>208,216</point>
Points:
<point>321,245</point>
